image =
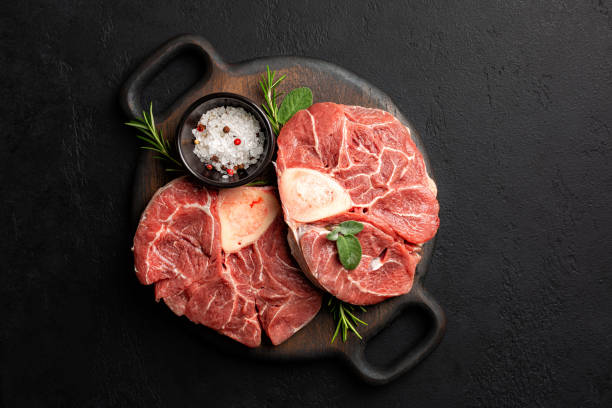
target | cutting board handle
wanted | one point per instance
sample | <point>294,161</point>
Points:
<point>381,375</point>
<point>131,93</point>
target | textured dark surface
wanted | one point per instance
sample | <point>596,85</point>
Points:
<point>513,100</point>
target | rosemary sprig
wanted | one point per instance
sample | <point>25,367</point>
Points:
<point>268,86</point>
<point>154,138</point>
<point>344,314</point>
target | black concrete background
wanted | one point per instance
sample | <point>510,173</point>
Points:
<point>513,99</point>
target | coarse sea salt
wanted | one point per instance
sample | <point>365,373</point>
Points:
<point>215,147</point>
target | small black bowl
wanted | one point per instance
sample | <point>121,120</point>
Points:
<point>193,163</point>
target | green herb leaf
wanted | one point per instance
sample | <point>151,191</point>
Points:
<point>333,236</point>
<point>344,316</point>
<point>350,227</point>
<point>258,183</point>
<point>296,100</point>
<point>349,248</point>
<point>349,251</point>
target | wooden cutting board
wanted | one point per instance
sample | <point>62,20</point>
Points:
<point>328,83</point>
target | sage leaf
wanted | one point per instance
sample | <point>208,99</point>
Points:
<point>349,251</point>
<point>350,227</point>
<point>332,236</point>
<point>296,100</point>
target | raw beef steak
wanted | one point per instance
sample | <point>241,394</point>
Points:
<point>337,163</point>
<point>221,259</point>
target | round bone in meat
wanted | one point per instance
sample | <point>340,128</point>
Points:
<point>311,195</point>
<point>245,214</point>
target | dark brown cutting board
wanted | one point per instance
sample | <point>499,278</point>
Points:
<point>328,83</point>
